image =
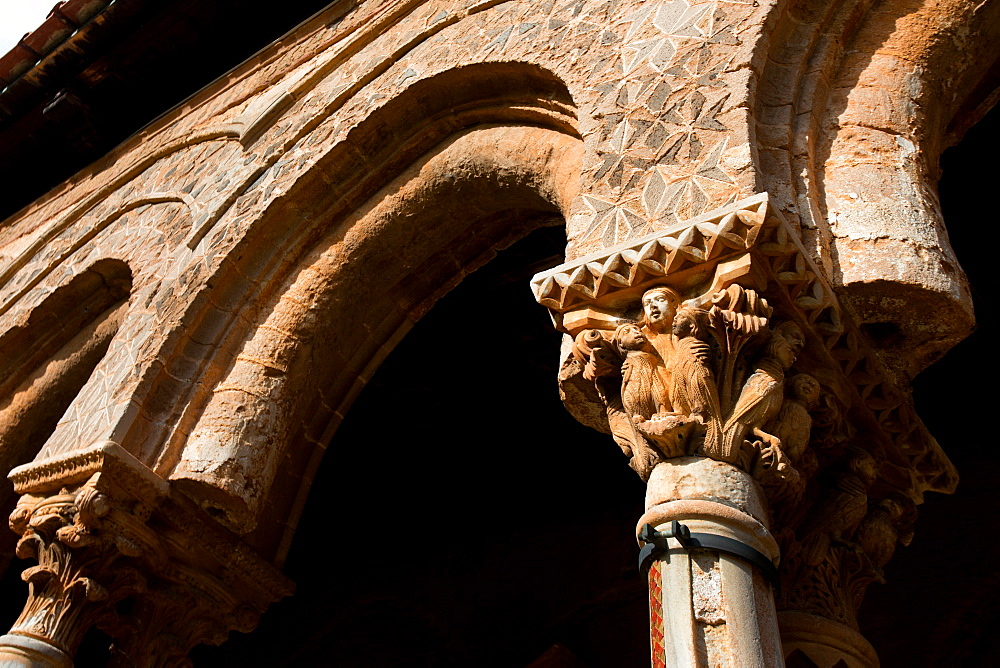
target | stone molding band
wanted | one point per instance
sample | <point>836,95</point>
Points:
<point>713,517</point>
<point>825,642</point>
<point>656,545</point>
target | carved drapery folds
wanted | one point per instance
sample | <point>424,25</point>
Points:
<point>118,550</point>
<point>719,338</point>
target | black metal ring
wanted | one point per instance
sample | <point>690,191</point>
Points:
<point>656,544</point>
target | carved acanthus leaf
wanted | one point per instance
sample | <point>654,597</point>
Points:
<point>103,527</point>
<point>91,552</point>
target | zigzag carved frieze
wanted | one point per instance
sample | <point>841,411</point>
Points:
<point>610,282</point>
<point>708,238</point>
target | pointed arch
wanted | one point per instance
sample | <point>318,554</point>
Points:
<point>419,195</point>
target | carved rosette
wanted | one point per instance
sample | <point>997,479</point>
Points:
<point>104,528</point>
<point>720,338</point>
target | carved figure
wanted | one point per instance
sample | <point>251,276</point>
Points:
<point>603,365</point>
<point>645,384</point>
<point>793,422</point>
<point>644,390</point>
<point>880,531</point>
<point>661,386</point>
<point>792,427</point>
<point>760,401</point>
<point>841,511</point>
<point>659,305</point>
<point>693,389</point>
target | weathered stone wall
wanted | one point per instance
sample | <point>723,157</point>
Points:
<point>680,107</point>
<point>286,226</point>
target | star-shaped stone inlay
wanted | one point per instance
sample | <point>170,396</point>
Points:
<point>662,106</point>
<point>613,222</point>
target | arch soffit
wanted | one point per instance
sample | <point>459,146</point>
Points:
<point>855,103</point>
<point>531,168</point>
<point>101,222</point>
<point>816,52</point>
<point>64,311</point>
<point>45,360</point>
<point>344,308</point>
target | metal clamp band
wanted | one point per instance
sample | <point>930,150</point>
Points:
<point>656,544</point>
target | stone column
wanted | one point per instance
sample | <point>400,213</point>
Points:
<point>719,360</point>
<point>104,528</point>
<point>713,608</point>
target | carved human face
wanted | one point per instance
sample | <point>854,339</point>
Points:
<point>630,337</point>
<point>806,388</point>
<point>785,354</point>
<point>683,325</point>
<point>658,308</point>
<point>864,466</point>
<point>892,508</point>
<point>796,339</point>
<point>789,342</point>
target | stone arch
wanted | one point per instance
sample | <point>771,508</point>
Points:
<point>46,361</point>
<point>855,105</point>
<point>463,164</point>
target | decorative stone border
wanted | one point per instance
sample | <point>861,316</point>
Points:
<point>753,230</point>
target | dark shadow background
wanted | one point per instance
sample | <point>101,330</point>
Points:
<point>461,517</point>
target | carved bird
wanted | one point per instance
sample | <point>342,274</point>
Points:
<point>693,388</point>
<point>877,535</point>
<point>759,401</point>
<point>841,512</point>
<point>793,422</point>
<point>762,394</point>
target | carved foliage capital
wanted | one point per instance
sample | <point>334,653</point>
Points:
<point>744,281</point>
<point>93,549</point>
<point>103,527</point>
<point>719,337</point>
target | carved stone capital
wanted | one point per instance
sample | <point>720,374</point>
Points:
<point>90,540</point>
<point>182,608</point>
<point>719,338</point>
<point>212,584</point>
<point>103,527</point>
